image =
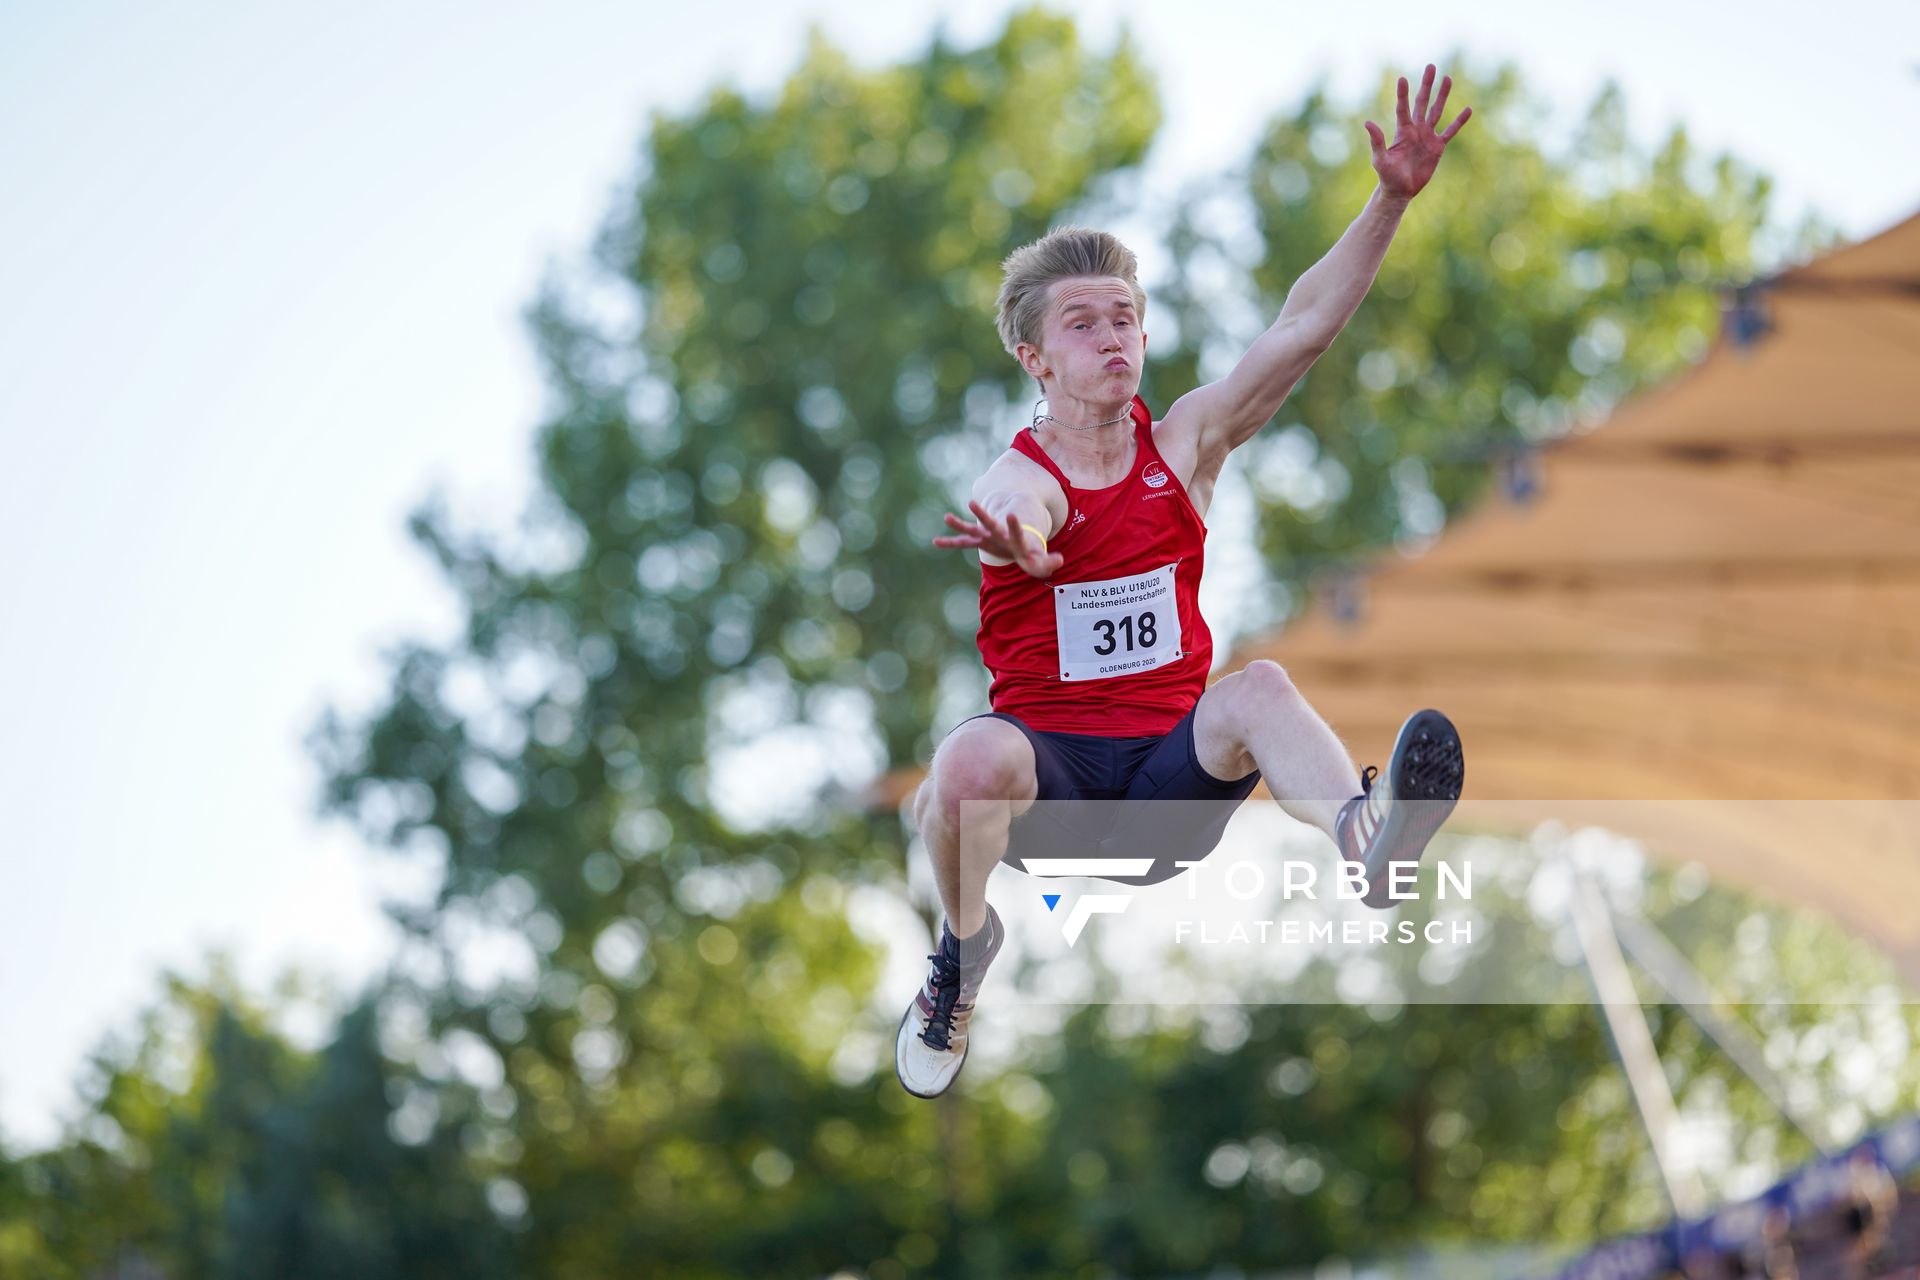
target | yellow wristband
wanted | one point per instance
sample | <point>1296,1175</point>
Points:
<point>1036,533</point>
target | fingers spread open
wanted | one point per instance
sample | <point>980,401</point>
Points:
<point>1466,113</point>
<point>1400,116</point>
<point>965,529</point>
<point>1378,138</point>
<point>1440,102</point>
<point>1042,564</point>
<point>1426,87</point>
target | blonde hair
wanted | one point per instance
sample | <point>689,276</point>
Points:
<point>1064,253</point>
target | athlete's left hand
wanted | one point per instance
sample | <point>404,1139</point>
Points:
<point>1407,165</point>
<point>1002,536</point>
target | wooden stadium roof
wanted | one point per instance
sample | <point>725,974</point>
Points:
<point>1714,596</point>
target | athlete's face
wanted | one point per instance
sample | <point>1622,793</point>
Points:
<point>1092,345</point>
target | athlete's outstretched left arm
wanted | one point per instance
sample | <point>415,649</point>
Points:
<point>1227,413</point>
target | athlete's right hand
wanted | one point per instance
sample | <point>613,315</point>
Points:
<point>1002,536</point>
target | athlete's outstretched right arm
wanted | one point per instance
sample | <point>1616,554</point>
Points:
<point>1013,522</point>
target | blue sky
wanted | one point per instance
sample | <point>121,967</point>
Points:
<point>262,269</point>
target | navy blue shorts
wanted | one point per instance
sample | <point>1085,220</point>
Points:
<point>1123,797</point>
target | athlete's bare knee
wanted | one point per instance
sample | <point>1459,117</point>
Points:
<point>1266,679</point>
<point>982,760</point>
<point>1248,697</point>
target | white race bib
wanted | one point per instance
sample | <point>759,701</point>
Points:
<point>1116,627</point>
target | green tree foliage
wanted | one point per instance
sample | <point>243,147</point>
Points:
<point>212,1147</point>
<point>1530,288</point>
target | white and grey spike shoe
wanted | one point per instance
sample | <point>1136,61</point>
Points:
<point>931,1046</point>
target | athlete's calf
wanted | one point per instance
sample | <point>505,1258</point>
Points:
<point>982,778</point>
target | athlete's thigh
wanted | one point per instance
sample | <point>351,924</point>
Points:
<point>1176,768</point>
<point>1176,809</point>
<point>1258,694</point>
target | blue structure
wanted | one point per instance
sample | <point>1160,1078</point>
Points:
<point>1845,1210</point>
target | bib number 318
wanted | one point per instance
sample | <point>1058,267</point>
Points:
<point>1118,626</point>
<point>1114,634</point>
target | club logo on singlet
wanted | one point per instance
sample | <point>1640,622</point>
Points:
<point>1155,475</point>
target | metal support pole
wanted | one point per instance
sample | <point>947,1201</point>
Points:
<point>1632,1042</point>
<point>1680,980</point>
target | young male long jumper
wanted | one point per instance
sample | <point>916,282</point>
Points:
<point>1090,536</point>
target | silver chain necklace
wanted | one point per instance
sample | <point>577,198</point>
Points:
<point>1039,417</point>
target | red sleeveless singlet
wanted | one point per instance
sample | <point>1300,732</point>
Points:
<point>1113,644</point>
